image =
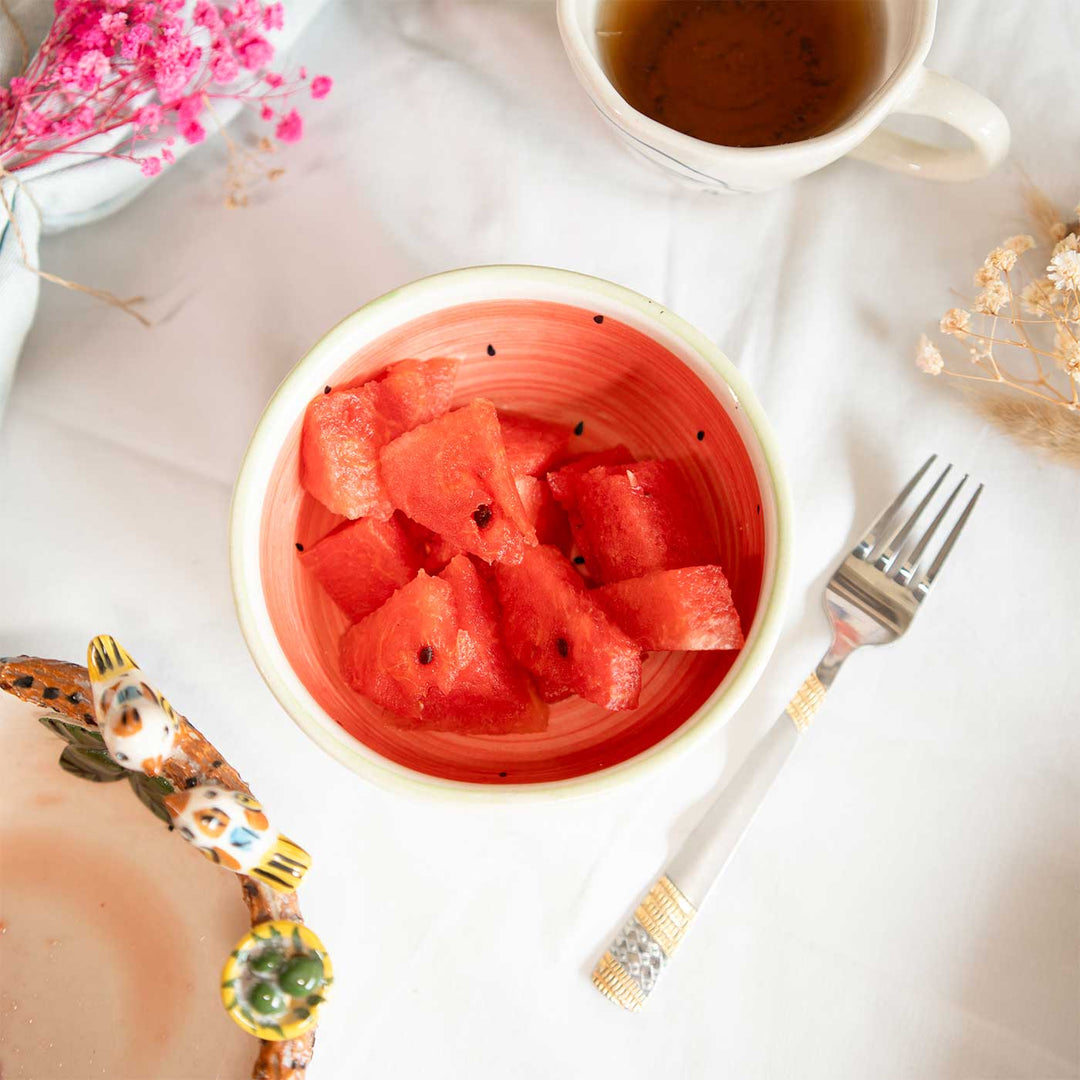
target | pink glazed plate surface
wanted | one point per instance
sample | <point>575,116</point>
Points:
<point>585,362</point>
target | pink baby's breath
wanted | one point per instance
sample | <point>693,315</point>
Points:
<point>291,127</point>
<point>138,66</point>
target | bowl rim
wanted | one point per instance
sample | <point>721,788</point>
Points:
<point>245,527</point>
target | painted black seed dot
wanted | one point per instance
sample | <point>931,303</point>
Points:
<point>563,646</point>
<point>759,508</point>
<point>579,559</point>
<point>191,782</point>
<point>426,654</point>
<point>491,350</point>
<point>172,828</point>
<point>326,389</point>
<point>75,698</point>
<point>503,775</point>
<point>598,319</point>
<point>299,546</point>
<point>24,682</point>
<point>216,763</point>
<point>579,427</point>
<point>50,693</point>
<point>482,516</point>
<point>87,717</point>
<point>700,436</point>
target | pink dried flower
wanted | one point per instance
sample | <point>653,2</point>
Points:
<point>149,116</point>
<point>273,17</point>
<point>321,85</point>
<point>291,128</point>
<point>267,113</point>
<point>255,52</point>
<point>273,80</point>
<point>150,166</point>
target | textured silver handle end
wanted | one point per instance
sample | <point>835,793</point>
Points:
<point>627,972</point>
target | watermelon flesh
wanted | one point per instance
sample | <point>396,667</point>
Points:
<point>491,695</point>
<point>532,446</point>
<point>543,512</point>
<point>344,430</point>
<point>632,520</point>
<point>563,482</point>
<point>557,631</point>
<point>671,610</point>
<point>452,476</point>
<point>405,653</point>
<point>362,563</point>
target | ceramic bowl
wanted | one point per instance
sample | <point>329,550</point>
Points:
<point>563,347</point>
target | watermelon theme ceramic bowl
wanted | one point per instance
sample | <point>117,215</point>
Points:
<point>563,347</point>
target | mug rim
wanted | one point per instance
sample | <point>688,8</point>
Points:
<point>868,116</point>
<point>245,529</point>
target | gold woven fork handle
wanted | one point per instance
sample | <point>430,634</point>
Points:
<point>807,700</point>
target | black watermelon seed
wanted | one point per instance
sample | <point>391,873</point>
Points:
<point>503,775</point>
<point>50,693</point>
<point>326,389</point>
<point>700,436</point>
<point>579,559</point>
<point>87,717</point>
<point>191,782</point>
<point>482,516</point>
<point>75,698</point>
<point>299,546</point>
<point>563,646</point>
<point>216,763</point>
<point>491,350</point>
<point>759,508</point>
<point>426,655</point>
<point>598,319</point>
<point>579,427</point>
<point>24,682</point>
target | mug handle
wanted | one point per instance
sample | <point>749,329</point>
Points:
<point>966,110</point>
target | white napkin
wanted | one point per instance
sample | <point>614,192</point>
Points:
<point>63,192</point>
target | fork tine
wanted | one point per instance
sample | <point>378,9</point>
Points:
<point>893,545</point>
<point>863,548</point>
<point>943,554</point>
<point>911,563</point>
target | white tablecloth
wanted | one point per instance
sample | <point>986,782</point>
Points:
<point>906,905</point>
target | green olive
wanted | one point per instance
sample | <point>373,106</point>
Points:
<point>301,975</point>
<point>265,999</point>
<point>266,963</point>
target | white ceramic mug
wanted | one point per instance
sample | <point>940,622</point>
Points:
<point>905,86</point>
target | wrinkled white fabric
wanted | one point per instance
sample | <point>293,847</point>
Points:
<point>904,907</point>
<point>67,190</point>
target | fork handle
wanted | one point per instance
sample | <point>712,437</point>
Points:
<point>628,971</point>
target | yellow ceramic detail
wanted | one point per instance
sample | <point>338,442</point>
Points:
<point>283,866</point>
<point>285,933</point>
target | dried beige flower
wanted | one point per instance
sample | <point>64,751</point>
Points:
<point>1037,297</point>
<point>987,274</point>
<point>1068,243</point>
<point>993,298</point>
<point>928,358</point>
<point>1064,270</point>
<point>1058,230</point>
<point>1019,244</point>
<point>1001,258</point>
<point>1070,360</point>
<point>956,321</point>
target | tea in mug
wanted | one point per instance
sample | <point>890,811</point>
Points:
<point>744,72</point>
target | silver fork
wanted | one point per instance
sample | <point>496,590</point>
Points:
<point>871,599</point>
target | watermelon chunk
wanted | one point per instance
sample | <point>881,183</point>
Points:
<point>557,631</point>
<point>687,609</point>
<point>630,520</point>
<point>452,476</point>
<point>543,512</point>
<point>362,563</point>
<point>405,653</point>
<point>491,694</point>
<point>343,431</point>
<point>435,552</point>
<point>563,482</point>
<point>532,446</point>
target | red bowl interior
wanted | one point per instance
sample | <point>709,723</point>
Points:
<point>557,362</point>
